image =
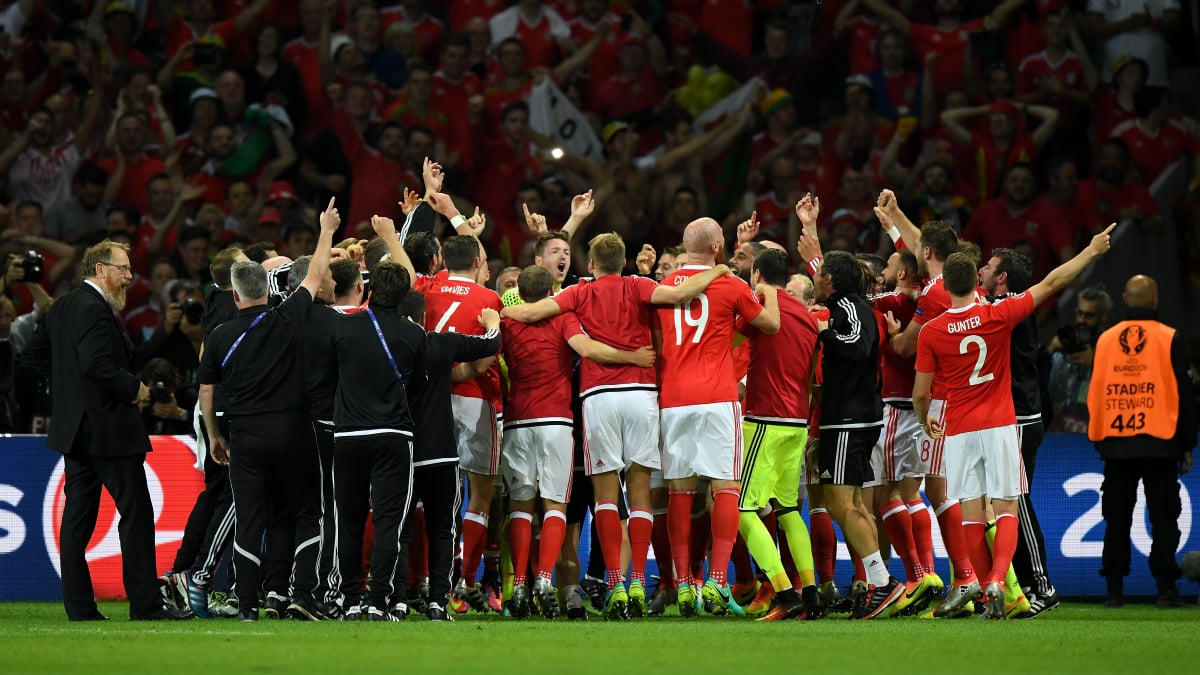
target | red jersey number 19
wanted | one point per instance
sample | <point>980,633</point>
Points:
<point>976,377</point>
<point>683,315</point>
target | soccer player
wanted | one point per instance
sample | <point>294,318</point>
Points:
<point>700,413</point>
<point>454,305</point>
<point>620,406</point>
<point>969,344</point>
<point>776,421</point>
<point>538,444</point>
<point>1006,274</point>
<point>851,415</point>
<point>932,244</point>
<point>900,501</point>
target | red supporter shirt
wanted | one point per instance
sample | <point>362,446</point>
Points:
<point>1037,67</point>
<point>142,263</point>
<point>951,48</point>
<point>1109,112</point>
<point>864,33</point>
<point>539,369</point>
<point>453,306</point>
<point>450,98</point>
<point>904,91</point>
<point>614,310</point>
<point>990,161</point>
<point>603,64</point>
<point>696,362</point>
<point>730,22</point>
<point>618,99</point>
<point>1041,224</point>
<point>376,186</point>
<point>1152,153</point>
<point>1026,36</point>
<point>780,372</point>
<point>541,46</point>
<point>897,370</point>
<point>462,11</point>
<point>772,216</point>
<point>430,31</point>
<point>303,56</point>
<point>138,173</point>
<point>969,347</point>
<point>1107,205</point>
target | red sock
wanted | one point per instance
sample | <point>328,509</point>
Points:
<point>950,522</point>
<point>725,518</point>
<point>520,532</point>
<point>974,535</point>
<point>743,571</point>
<point>475,525</point>
<point>699,542</point>
<point>922,531</point>
<point>789,563</point>
<point>641,528</point>
<point>860,571</point>
<point>1003,546</point>
<point>662,550</point>
<point>824,543</point>
<point>898,524</point>
<point>554,530</point>
<point>679,526</point>
<point>608,528</point>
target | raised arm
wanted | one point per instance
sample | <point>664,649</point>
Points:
<point>385,228</point>
<point>287,151</point>
<point>887,207</point>
<point>532,312</point>
<point>602,353</point>
<point>1049,119</point>
<point>889,14</point>
<point>693,286</point>
<point>582,207</point>
<point>319,267</point>
<point>1060,277</point>
<point>954,119</point>
<point>767,320</point>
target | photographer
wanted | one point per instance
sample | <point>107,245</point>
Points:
<point>1071,352</point>
<point>180,334</point>
<point>172,399</point>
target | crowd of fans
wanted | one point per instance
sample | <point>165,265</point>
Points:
<point>182,127</point>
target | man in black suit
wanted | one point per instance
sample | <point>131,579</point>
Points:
<point>97,426</point>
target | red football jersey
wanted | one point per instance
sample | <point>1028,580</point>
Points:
<point>951,48</point>
<point>780,371</point>
<point>614,310</point>
<point>1152,153</point>
<point>1037,67</point>
<point>696,360</point>
<point>934,300</point>
<point>453,307</point>
<point>897,370</point>
<point>969,347</point>
<point>539,368</point>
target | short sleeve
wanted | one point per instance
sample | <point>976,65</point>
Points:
<point>1014,309</point>
<point>745,304</point>
<point>568,299</point>
<point>295,307</point>
<point>926,359</point>
<point>209,371</point>
<point>569,326</point>
<point>645,289</point>
<point>558,27</point>
<point>927,308</point>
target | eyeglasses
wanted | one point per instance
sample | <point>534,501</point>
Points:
<point>125,269</point>
<point>1086,315</point>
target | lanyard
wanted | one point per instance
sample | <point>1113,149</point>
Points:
<point>238,341</point>
<point>386,349</point>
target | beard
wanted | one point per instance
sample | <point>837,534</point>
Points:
<point>116,299</point>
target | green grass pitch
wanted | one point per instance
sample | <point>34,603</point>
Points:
<point>1075,638</point>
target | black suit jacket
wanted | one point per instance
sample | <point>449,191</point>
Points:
<point>92,386</point>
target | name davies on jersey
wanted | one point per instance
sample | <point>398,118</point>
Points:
<point>455,290</point>
<point>964,325</point>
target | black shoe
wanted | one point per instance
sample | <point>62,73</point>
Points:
<point>1168,598</point>
<point>399,611</point>
<point>810,602</point>
<point>95,615</point>
<point>376,614</point>
<point>1039,604</point>
<point>879,599</point>
<point>595,590</point>
<point>303,609</point>
<point>166,614</point>
<point>248,614</point>
<point>1114,601</point>
<point>436,612</point>
<point>327,611</point>
<point>276,606</point>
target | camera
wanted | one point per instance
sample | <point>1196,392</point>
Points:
<point>193,311</point>
<point>1075,338</point>
<point>34,265</point>
<point>161,393</point>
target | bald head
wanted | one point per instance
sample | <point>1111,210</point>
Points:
<point>1141,291</point>
<point>702,239</point>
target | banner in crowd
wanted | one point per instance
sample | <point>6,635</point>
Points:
<point>553,115</point>
<point>1066,494</point>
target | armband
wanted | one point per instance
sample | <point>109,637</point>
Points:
<point>457,220</point>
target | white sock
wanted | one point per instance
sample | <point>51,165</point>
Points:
<point>877,571</point>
